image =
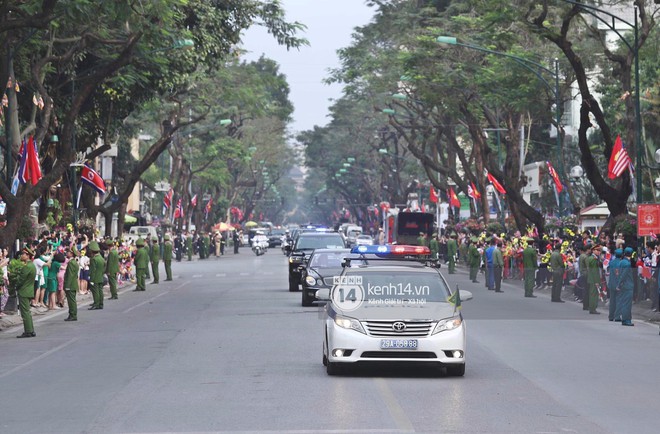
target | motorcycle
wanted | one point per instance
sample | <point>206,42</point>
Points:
<point>258,250</point>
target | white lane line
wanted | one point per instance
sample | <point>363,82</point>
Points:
<point>197,275</point>
<point>245,274</point>
<point>36,359</point>
<point>221,275</point>
<point>145,302</point>
<point>398,414</point>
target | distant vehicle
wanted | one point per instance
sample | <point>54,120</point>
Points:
<point>322,266</point>
<point>352,232</point>
<point>275,237</point>
<point>303,246</point>
<point>141,232</point>
<point>405,227</point>
<point>364,240</point>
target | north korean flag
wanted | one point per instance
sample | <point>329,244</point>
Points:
<point>93,179</point>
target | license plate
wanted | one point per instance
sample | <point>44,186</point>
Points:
<point>398,344</point>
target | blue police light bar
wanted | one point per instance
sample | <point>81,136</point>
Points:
<point>391,250</point>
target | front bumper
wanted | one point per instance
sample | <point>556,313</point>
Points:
<point>356,347</point>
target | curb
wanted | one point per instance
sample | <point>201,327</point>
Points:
<point>9,321</point>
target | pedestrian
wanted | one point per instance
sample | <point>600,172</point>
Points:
<point>490,272</point>
<point>474,258</point>
<point>421,240</point>
<point>112,268</point>
<point>155,260</point>
<point>557,266</point>
<point>626,287</point>
<point>236,239</point>
<point>167,258</point>
<point>381,237</point>
<point>452,249</point>
<point>26,291</point>
<point>83,282</point>
<point>71,283</point>
<point>96,272</point>
<point>530,264</point>
<point>498,266</point>
<point>613,283</point>
<point>593,279</point>
<point>51,282</point>
<point>141,262</point>
<point>178,247</point>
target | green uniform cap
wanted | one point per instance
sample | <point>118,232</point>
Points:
<point>139,242</point>
<point>154,239</point>
<point>109,242</point>
<point>167,237</point>
<point>94,247</point>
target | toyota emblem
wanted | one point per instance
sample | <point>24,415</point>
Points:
<point>399,326</point>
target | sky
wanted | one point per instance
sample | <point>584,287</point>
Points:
<point>330,24</point>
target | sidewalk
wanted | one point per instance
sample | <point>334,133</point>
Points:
<point>12,320</point>
<point>641,311</point>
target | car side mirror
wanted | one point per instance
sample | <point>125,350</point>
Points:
<point>465,295</point>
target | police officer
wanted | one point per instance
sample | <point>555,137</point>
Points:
<point>434,246</point>
<point>178,247</point>
<point>155,259</point>
<point>148,248</point>
<point>452,248</point>
<point>557,265</point>
<point>71,283</point>
<point>189,246</point>
<point>498,266</point>
<point>112,268</point>
<point>141,262</point>
<point>96,271</point>
<point>530,264</point>
<point>421,240</point>
<point>167,258</point>
<point>593,279</point>
<point>26,292</point>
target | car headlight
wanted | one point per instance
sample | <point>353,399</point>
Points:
<point>295,259</point>
<point>447,324</point>
<point>310,281</point>
<point>349,323</point>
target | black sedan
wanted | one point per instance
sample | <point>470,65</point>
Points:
<point>323,265</point>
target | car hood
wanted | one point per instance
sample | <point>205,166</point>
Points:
<point>422,311</point>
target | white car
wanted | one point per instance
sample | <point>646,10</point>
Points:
<point>391,311</point>
<point>364,240</point>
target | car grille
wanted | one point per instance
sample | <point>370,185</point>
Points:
<point>399,355</point>
<point>385,329</point>
<point>329,281</point>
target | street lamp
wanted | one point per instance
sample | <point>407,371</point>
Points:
<point>531,66</point>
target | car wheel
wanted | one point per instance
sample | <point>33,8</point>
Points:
<point>325,360</point>
<point>456,371</point>
<point>293,284</point>
<point>306,299</point>
<point>332,368</point>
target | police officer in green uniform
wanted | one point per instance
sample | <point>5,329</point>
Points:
<point>26,292</point>
<point>452,248</point>
<point>141,262</point>
<point>557,265</point>
<point>474,258</point>
<point>167,258</point>
<point>189,247</point>
<point>112,268</point>
<point>434,246</point>
<point>155,259</point>
<point>96,271</point>
<point>71,283</point>
<point>593,279</point>
<point>530,264</point>
<point>147,246</point>
<point>206,244</point>
<point>421,240</point>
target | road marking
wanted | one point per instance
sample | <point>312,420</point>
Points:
<point>398,414</point>
<point>221,275</point>
<point>293,431</point>
<point>145,302</point>
<point>197,275</point>
<point>245,274</point>
<point>36,359</point>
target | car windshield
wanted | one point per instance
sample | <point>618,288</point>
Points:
<point>390,288</point>
<point>320,242</point>
<point>327,259</point>
<point>364,237</point>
